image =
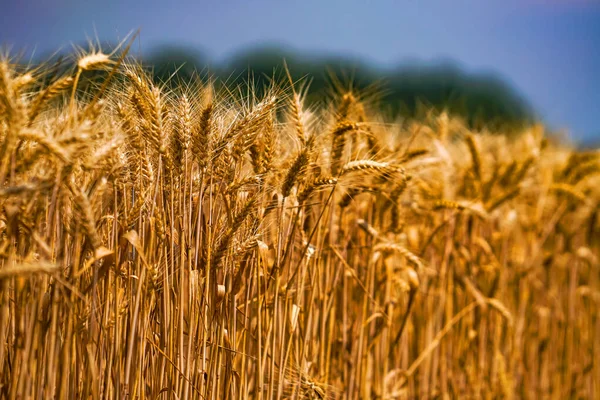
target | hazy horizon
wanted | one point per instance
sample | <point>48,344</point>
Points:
<point>545,49</point>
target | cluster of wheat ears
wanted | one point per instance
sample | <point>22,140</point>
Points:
<point>195,243</point>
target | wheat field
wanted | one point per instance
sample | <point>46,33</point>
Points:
<point>204,243</point>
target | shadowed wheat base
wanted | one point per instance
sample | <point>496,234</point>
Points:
<point>197,244</point>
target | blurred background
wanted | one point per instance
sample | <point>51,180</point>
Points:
<point>489,61</point>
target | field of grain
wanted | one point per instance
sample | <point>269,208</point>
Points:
<point>196,243</point>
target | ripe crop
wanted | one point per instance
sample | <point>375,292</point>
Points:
<point>194,243</point>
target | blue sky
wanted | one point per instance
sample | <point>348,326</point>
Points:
<point>549,50</point>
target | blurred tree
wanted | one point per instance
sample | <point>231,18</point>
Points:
<point>173,64</point>
<point>482,99</point>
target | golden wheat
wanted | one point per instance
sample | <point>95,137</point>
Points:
<point>187,243</point>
